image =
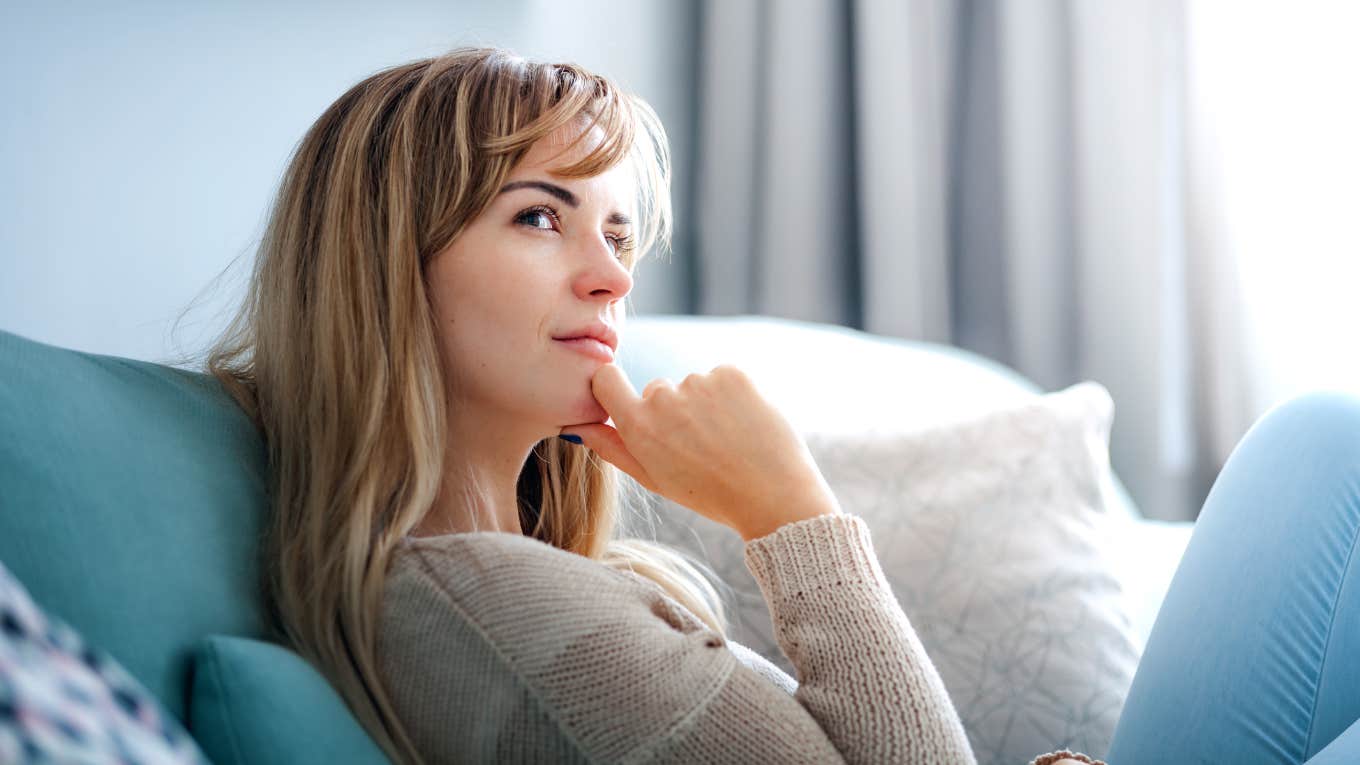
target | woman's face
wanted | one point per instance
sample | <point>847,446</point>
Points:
<point>543,261</point>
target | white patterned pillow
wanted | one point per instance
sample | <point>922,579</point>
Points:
<point>992,532</point>
<point>65,701</point>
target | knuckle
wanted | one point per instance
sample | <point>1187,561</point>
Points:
<point>729,373</point>
<point>659,386</point>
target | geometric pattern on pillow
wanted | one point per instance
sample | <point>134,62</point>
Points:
<point>65,701</point>
<point>994,535</point>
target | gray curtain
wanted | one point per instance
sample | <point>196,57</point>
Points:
<point>1009,177</point>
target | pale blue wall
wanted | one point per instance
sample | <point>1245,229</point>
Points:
<point>140,143</point>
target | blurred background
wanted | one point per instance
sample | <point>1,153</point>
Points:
<point>1160,195</point>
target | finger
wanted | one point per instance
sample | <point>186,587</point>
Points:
<point>615,393</point>
<point>606,442</point>
<point>660,382</point>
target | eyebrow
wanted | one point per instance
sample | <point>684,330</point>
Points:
<point>617,218</point>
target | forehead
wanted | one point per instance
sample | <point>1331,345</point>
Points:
<point>615,187</point>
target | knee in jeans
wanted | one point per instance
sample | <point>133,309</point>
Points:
<point>1326,420</point>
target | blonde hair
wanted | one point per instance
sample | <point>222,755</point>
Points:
<point>333,352</point>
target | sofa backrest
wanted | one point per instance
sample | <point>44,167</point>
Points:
<point>132,499</point>
<point>132,494</point>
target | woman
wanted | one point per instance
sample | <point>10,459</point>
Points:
<point>440,292</point>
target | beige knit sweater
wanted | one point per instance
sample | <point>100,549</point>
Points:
<point>501,648</point>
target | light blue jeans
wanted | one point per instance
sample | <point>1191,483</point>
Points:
<point>1255,654</point>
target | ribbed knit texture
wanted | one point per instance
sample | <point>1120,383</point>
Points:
<point>501,648</point>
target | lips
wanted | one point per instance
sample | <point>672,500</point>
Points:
<point>596,331</point>
<point>589,346</point>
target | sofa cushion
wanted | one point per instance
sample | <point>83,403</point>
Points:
<point>63,700</point>
<point>256,703</point>
<point>993,531</point>
<point>132,497</point>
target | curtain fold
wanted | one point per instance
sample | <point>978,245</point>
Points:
<point>903,71</point>
<point>1018,179</point>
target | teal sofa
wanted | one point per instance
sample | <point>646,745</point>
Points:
<point>132,500</point>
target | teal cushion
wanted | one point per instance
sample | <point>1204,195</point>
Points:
<point>132,496</point>
<point>258,703</point>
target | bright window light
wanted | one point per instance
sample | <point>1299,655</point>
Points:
<point>1276,86</point>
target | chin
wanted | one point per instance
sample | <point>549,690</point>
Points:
<point>589,410</point>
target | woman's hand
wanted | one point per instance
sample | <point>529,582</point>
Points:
<point>711,443</point>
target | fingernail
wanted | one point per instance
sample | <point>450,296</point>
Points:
<point>575,439</point>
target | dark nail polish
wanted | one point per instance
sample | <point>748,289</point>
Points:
<point>575,439</point>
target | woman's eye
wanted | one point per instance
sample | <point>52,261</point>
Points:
<point>541,219</point>
<point>622,245</point>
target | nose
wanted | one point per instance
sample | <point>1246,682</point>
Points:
<point>602,274</point>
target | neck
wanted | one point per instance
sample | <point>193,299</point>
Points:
<point>478,490</point>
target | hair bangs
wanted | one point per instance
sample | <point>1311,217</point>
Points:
<point>554,96</point>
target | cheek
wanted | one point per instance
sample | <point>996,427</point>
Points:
<point>496,317</point>
<point>487,335</point>
<point>499,336</point>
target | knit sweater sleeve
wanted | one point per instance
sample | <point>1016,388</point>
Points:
<point>862,671</point>
<point>810,609</point>
<point>500,647</point>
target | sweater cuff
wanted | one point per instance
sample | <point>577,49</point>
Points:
<point>1051,757</point>
<point>814,553</point>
